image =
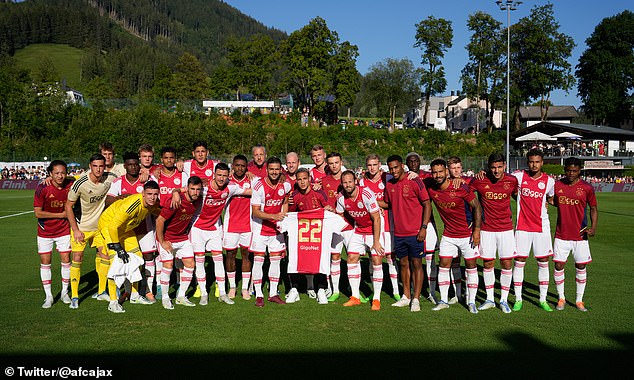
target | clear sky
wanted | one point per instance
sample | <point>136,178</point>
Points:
<point>385,29</point>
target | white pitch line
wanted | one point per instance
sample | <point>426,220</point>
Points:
<point>18,214</point>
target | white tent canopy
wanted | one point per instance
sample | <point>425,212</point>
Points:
<point>536,136</point>
<point>567,135</point>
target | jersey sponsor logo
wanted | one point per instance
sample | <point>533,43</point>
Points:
<point>166,190</point>
<point>564,200</point>
<point>215,202</point>
<point>185,216</point>
<point>541,185</point>
<point>280,192</point>
<point>176,181</point>
<point>273,202</point>
<point>446,204</point>
<point>97,198</point>
<point>531,193</point>
<point>56,203</point>
<point>495,196</point>
<point>357,214</point>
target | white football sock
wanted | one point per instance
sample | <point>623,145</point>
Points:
<point>505,284</point>
<point>560,279</point>
<point>518,279</point>
<point>219,271</point>
<point>274,274</point>
<point>201,275</point>
<point>443,283</point>
<point>543,275</point>
<point>489,282</point>
<point>377,280</point>
<point>335,274</point>
<point>45,275</point>
<point>472,284</point>
<point>258,273</point>
<point>354,277</point>
<point>581,277</point>
<point>186,278</point>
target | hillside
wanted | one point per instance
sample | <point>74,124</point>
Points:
<point>66,60</point>
<point>125,41</point>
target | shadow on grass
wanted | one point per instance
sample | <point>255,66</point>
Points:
<point>525,357</point>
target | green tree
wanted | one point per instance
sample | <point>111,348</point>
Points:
<point>483,75</point>
<point>393,86</point>
<point>434,37</point>
<point>314,58</point>
<point>251,65</point>
<point>606,71</point>
<point>189,79</point>
<point>539,59</point>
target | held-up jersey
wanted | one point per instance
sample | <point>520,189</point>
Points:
<point>237,217</point>
<point>52,199</point>
<point>496,202</point>
<point>571,202</point>
<point>208,218</point>
<point>532,215</point>
<point>359,208</point>
<point>269,199</point>
<point>450,204</point>
<point>309,237</point>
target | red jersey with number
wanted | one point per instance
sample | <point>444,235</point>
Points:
<point>572,203</point>
<point>167,183</point>
<point>270,200</point>
<point>532,214</point>
<point>495,199</point>
<point>258,171</point>
<point>309,237</point>
<point>378,188</point>
<point>359,209</point>
<point>178,220</point>
<point>191,168</point>
<point>406,198</point>
<point>214,201</point>
<point>332,187</point>
<point>237,217</point>
<point>52,199</point>
<point>312,200</point>
<point>450,204</point>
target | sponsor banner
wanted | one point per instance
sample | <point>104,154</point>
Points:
<point>18,184</point>
<point>613,187</point>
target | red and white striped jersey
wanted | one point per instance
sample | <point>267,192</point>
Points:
<point>208,218</point>
<point>167,183</point>
<point>238,208</point>
<point>191,168</point>
<point>359,209</point>
<point>270,200</point>
<point>378,188</point>
<point>309,237</point>
<point>532,215</point>
<point>121,186</point>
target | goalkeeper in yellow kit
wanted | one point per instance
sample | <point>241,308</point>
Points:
<point>116,230</point>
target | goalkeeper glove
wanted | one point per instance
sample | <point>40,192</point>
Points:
<point>121,253</point>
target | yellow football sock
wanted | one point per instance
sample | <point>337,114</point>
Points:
<point>75,275</point>
<point>102,273</point>
<point>112,289</point>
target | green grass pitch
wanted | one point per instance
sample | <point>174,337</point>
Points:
<point>310,340</point>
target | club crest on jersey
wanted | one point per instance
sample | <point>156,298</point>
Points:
<point>247,185</point>
<point>381,186</point>
<point>176,181</point>
<point>579,192</point>
<point>280,192</point>
<point>360,205</point>
<point>208,172</point>
<point>541,186</point>
<point>224,195</point>
<point>405,189</point>
<point>139,189</point>
<point>507,185</point>
<point>452,194</point>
